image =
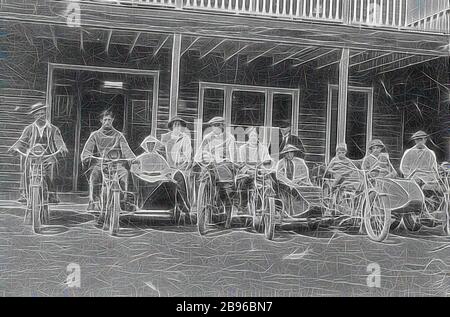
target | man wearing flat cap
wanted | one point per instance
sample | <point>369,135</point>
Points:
<point>218,148</point>
<point>419,162</point>
<point>42,133</point>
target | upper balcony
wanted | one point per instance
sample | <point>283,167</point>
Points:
<point>415,15</point>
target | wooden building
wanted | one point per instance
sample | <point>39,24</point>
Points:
<point>319,66</point>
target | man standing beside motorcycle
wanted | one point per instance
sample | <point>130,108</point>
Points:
<point>41,133</point>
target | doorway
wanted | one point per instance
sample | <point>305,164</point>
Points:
<point>78,95</point>
<point>358,125</point>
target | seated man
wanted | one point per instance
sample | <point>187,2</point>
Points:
<point>343,170</point>
<point>292,173</point>
<point>252,155</point>
<point>419,163</point>
<point>105,144</point>
<point>218,149</point>
<point>377,163</point>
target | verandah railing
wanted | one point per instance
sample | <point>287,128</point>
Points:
<point>384,13</point>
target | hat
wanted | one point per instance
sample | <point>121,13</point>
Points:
<point>290,148</point>
<point>216,120</point>
<point>175,119</point>
<point>150,139</point>
<point>341,146</point>
<point>419,135</point>
<point>376,142</point>
<point>37,106</point>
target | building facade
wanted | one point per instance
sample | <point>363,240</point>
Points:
<point>333,70</point>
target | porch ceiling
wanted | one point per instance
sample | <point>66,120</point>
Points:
<point>299,55</point>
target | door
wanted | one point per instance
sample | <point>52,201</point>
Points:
<point>358,125</point>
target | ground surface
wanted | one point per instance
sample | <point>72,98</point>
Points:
<point>169,261</point>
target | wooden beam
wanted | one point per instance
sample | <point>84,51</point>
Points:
<point>161,43</point>
<point>277,59</point>
<point>190,45</point>
<point>175,75</point>
<point>253,57</point>
<point>138,34</point>
<point>229,54</point>
<point>314,58</point>
<point>338,61</point>
<point>343,94</point>
<point>108,41</point>
<point>423,60</point>
<point>371,59</point>
<point>386,64</point>
<point>210,47</point>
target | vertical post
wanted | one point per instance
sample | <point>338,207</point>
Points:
<point>175,75</point>
<point>346,11</point>
<point>343,92</point>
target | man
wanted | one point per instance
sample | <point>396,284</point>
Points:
<point>419,163</point>
<point>105,144</point>
<point>286,138</point>
<point>253,156</point>
<point>291,170</point>
<point>343,170</point>
<point>377,163</point>
<point>44,134</point>
<point>218,145</point>
<point>178,153</point>
<point>292,173</point>
<point>177,143</point>
<point>218,149</point>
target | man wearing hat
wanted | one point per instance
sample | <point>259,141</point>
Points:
<point>288,138</point>
<point>177,143</point>
<point>419,162</point>
<point>218,148</point>
<point>178,153</point>
<point>291,173</point>
<point>377,163</point>
<point>105,143</point>
<point>41,133</point>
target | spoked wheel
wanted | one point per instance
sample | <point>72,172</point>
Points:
<point>257,224</point>
<point>327,196</point>
<point>269,219</point>
<point>36,208</point>
<point>446,226</point>
<point>377,217</point>
<point>114,214</point>
<point>228,215</point>
<point>203,208</point>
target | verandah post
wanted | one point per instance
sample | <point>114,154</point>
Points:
<point>343,93</point>
<point>175,75</point>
